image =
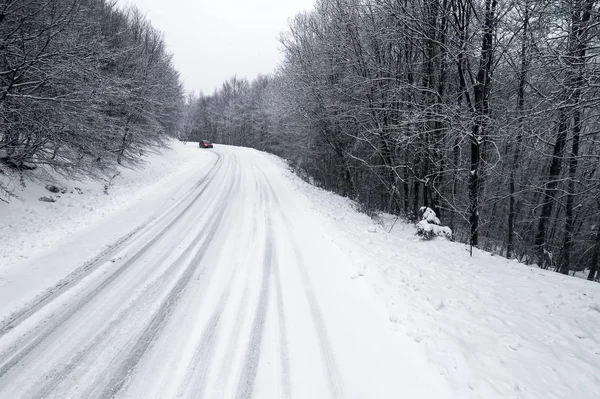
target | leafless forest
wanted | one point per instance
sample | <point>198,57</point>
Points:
<point>84,86</point>
<point>484,110</point>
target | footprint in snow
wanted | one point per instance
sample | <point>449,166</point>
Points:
<point>438,304</point>
<point>359,273</point>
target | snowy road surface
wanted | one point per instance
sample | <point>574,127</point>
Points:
<point>231,290</point>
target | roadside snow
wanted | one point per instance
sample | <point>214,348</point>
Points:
<point>84,220</point>
<point>494,328</point>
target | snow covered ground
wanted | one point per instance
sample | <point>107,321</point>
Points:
<point>493,327</point>
<point>221,274</point>
<point>30,226</point>
<point>84,222</point>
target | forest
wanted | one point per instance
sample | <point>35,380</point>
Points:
<point>485,111</point>
<point>85,86</point>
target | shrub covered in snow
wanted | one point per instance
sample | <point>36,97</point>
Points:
<point>429,226</point>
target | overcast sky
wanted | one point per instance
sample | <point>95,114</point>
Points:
<point>213,40</point>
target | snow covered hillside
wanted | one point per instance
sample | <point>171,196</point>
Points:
<point>493,327</point>
<point>30,226</point>
<point>221,273</point>
<point>84,216</point>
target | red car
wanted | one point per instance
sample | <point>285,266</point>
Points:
<point>205,144</point>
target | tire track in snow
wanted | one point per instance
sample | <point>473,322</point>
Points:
<point>247,379</point>
<point>203,354</point>
<point>122,373</point>
<point>241,313</point>
<point>334,380</point>
<point>16,318</point>
<point>240,318</point>
<point>52,380</point>
<point>284,356</point>
<point>21,349</point>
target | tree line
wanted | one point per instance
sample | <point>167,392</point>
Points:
<point>84,86</point>
<point>485,111</point>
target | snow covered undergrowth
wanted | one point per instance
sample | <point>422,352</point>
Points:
<point>84,220</point>
<point>493,327</point>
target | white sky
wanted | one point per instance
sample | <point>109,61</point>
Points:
<point>213,40</point>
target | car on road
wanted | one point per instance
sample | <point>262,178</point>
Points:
<point>205,144</point>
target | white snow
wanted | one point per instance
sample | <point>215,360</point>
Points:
<point>429,215</point>
<point>84,221</point>
<point>429,227</point>
<point>299,294</point>
<point>492,327</point>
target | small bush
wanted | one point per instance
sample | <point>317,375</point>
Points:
<point>429,226</point>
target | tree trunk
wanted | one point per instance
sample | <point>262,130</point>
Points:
<point>570,219</point>
<point>550,188</point>
<point>595,256</point>
<point>580,19</point>
<point>516,155</point>
<point>481,92</point>
<point>575,63</point>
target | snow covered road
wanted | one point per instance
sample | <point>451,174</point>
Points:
<point>232,290</point>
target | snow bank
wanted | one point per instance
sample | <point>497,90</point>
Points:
<point>29,225</point>
<point>30,229</point>
<point>494,328</point>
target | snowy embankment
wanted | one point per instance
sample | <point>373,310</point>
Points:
<point>84,219</point>
<point>493,327</point>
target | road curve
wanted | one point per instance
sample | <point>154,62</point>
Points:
<point>226,293</point>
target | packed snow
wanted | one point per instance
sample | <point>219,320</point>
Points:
<point>300,295</point>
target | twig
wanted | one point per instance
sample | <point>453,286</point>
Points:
<point>393,224</point>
